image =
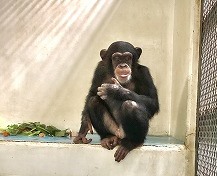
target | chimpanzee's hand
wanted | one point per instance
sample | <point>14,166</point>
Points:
<point>106,89</point>
<point>81,137</point>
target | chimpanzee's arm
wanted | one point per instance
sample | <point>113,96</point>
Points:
<point>145,96</point>
<point>114,96</point>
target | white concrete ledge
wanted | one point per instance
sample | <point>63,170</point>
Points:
<point>55,159</point>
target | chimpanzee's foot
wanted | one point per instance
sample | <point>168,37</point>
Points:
<point>110,142</point>
<point>125,147</point>
<point>121,153</point>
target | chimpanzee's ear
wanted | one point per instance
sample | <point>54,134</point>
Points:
<point>103,53</point>
<point>139,51</point>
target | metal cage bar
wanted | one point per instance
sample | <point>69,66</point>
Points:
<point>206,142</point>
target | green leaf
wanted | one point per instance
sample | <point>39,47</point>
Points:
<point>60,133</point>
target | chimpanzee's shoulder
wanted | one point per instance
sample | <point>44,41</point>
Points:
<point>142,68</point>
<point>100,73</point>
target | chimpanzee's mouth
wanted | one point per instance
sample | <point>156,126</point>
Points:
<point>124,76</point>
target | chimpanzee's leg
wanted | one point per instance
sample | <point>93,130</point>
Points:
<point>135,124</point>
<point>103,122</point>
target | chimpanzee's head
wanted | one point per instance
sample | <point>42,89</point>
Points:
<point>122,56</point>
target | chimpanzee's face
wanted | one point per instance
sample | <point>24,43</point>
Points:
<point>122,56</point>
<point>122,64</point>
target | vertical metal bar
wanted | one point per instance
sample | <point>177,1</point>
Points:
<point>198,87</point>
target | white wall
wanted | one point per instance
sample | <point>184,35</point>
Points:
<point>41,42</point>
<point>47,57</point>
<point>186,37</point>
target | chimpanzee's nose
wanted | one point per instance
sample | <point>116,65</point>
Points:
<point>122,65</point>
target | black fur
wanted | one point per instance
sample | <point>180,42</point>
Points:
<point>140,89</point>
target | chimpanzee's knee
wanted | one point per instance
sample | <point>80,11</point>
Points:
<point>129,106</point>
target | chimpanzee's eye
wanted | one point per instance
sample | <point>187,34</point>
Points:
<point>127,58</point>
<point>117,58</point>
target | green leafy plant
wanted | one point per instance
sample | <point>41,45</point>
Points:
<point>34,129</point>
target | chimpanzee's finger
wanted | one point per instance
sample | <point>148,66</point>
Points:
<point>100,89</point>
<point>100,93</point>
<point>118,154</point>
<point>103,97</point>
<point>115,142</point>
<point>104,85</point>
<point>116,81</point>
<point>109,145</point>
<point>104,143</point>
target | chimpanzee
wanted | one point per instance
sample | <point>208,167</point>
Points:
<point>121,100</point>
